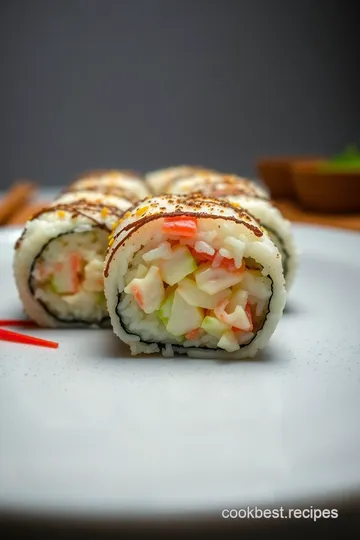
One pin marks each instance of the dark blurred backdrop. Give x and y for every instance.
(148, 83)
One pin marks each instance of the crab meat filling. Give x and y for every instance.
(67, 276)
(197, 287)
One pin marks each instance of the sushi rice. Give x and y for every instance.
(112, 182)
(158, 181)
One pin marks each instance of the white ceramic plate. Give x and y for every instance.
(89, 430)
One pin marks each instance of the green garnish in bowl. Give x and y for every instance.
(347, 161)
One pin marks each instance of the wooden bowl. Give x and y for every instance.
(324, 189)
(276, 173)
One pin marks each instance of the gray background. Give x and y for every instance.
(149, 83)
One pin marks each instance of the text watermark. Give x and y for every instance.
(254, 512)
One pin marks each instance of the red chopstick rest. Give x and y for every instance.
(9, 335)
(18, 322)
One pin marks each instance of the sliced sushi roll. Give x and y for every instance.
(193, 275)
(217, 185)
(126, 184)
(253, 198)
(159, 181)
(58, 261)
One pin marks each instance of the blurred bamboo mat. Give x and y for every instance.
(24, 213)
(19, 203)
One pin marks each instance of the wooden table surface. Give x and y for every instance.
(292, 211)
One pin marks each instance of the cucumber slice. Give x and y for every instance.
(228, 342)
(193, 296)
(164, 310)
(214, 327)
(213, 280)
(183, 317)
(179, 266)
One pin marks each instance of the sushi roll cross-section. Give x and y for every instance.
(59, 258)
(194, 275)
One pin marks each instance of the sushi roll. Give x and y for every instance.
(217, 184)
(126, 184)
(193, 275)
(158, 181)
(254, 199)
(58, 260)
